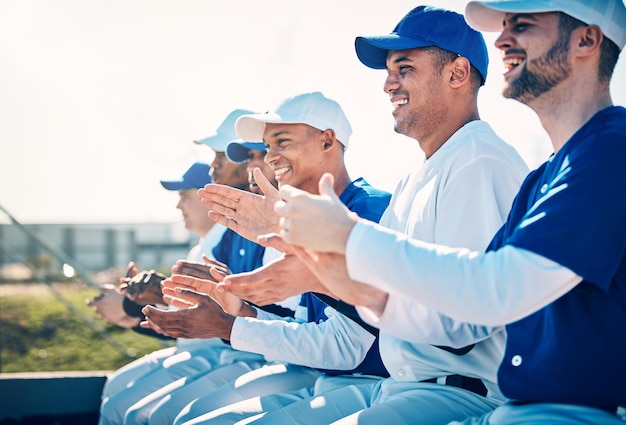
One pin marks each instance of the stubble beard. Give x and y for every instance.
(554, 68)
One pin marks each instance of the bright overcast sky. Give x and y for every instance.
(99, 100)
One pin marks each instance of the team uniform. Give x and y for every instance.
(564, 309)
(461, 195)
(191, 356)
(321, 342)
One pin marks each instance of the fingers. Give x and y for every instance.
(264, 184)
(223, 220)
(213, 263)
(195, 270)
(183, 281)
(170, 296)
(219, 198)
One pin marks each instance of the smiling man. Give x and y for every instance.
(305, 137)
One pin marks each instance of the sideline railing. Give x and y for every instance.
(71, 267)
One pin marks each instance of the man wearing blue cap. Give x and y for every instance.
(253, 155)
(441, 369)
(139, 287)
(192, 356)
(163, 405)
(554, 274)
(144, 288)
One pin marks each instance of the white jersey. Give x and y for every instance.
(459, 197)
(206, 243)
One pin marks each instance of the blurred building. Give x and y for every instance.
(95, 247)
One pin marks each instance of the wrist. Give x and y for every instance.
(342, 241)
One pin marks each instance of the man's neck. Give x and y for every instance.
(566, 108)
(451, 125)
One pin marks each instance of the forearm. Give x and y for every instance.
(490, 289)
(413, 322)
(337, 343)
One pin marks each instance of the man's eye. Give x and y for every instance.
(521, 27)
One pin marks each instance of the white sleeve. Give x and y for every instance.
(337, 343)
(493, 288)
(413, 322)
(271, 254)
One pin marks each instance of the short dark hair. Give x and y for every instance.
(443, 57)
(609, 52)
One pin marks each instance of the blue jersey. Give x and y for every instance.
(572, 210)
(238, 253)
(369, 203)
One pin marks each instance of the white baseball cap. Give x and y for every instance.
(313, 109)
(225, 133)
(608, 15)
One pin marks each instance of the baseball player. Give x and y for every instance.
(554, 273)
(305, 137)
(162, 405)
(191, 356)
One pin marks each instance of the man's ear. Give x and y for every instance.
(460, 71)
(587, 40)
(329, 138)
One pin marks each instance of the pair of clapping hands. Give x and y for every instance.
(203, 308)
(140, 287)
(310, 230)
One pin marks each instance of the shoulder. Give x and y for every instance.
(365, 200)
(477, 144)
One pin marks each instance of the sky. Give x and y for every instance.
(99, 100)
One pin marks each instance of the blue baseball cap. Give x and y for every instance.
(225, 132)
(194, 178)
(426, 26)
(237, 151)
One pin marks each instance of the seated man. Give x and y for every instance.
(305, 137)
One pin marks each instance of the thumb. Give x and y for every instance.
(131, 269)
(273, 240)
(264, 184)
(326, 185)
(217, 274)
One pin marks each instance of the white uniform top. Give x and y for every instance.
(206, 243)
(459, 197)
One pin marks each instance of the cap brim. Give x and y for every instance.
(251, 127)
(489, 15)
(238, 151)
(174, 185)
(372, 51)
(216, 142)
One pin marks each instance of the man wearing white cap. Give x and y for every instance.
(305, 137)
(555, 273)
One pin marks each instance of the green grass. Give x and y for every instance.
(40, 333)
